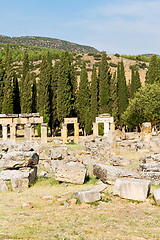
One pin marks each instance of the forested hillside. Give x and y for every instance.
(52, 43)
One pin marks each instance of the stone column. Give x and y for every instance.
(95, 129)
(64, 132)
(43, 133)
(13, 132)
(4, 131)
(106, 128)
(112, 126)
(76, 132)
(28, 132)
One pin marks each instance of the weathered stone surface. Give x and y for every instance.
(18, 159)
(88, 196)
(71, 172)
(156, 195)
(56, 154)
(28, 146)
(120, 161)
(150, 158)
(99, 188)
(154, 177)
(129, 188)
(5, 145)
(109, 173)
(3, 186)
(26, 173)
(19, 184)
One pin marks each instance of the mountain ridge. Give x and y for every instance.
(48, 42)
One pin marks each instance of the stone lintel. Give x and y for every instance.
(70, 120)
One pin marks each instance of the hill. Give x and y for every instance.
(52, 43)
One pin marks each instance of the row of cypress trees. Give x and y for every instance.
(56, 94)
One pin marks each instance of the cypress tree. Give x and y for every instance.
(25, 66)
(16, 96)
(153, 73)
(54, 95)
(104, 85)
(138, 81)
(83, 95)
(65, 99)
(7, 104)
(94, 94)
(88, 122)
(34, 94)
(43, 90)
(26, 99)
(114, 98)
(122, 90)
(2, 74)
(135, 82)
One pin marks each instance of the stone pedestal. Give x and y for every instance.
(13, 132)
(28, 132)
(43, 133)
(64, 132)
(4, 131)
(106, 128)
(95, 129)
(76, 132)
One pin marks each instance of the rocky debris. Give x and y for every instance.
(156, 195)
(28, 146)
(150, 168)
(129, 188)
(120, 161)
(47, 197)
(109, 173)
(3, 186)
(71, 172)
(18, 159)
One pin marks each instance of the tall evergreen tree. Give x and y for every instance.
(2, 74)
(94, 94)
(153, 73)
(16, 96)
(114, 98)
(122, 90)
(26, 98)
(104, 85)
(83, 95)
(65, 98)
(135, 82)
(7, 104)
(25, 66)
(43, 90)
(54, 86)
(34, 94)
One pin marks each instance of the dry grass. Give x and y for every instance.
(25, 216)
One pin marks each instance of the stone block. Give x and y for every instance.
(19, 184)
(56, 154)
(156, 195)
(18, 159)
(130, 188)
(3, 186)
(109, 173)
(88, 196)
(71, 172)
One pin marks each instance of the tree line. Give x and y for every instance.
(57, 94)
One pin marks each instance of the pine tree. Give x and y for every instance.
(65, 98)
(83, 95)
(16, 96)
(153, 73)
(26, 98)
(94, 95)
(104, 85)
(122, 90)
(114, 98)
(7, 104)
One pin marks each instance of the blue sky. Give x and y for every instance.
(116, 26)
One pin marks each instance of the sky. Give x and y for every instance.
(129, 27)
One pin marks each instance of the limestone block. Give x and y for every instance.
(19, 159)
(109, 173)
(3, 186)
(28, 146)
(19, 184)
(56, 154)
(130, 188)
(156, 195)
(88, 196)
(71, 172)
